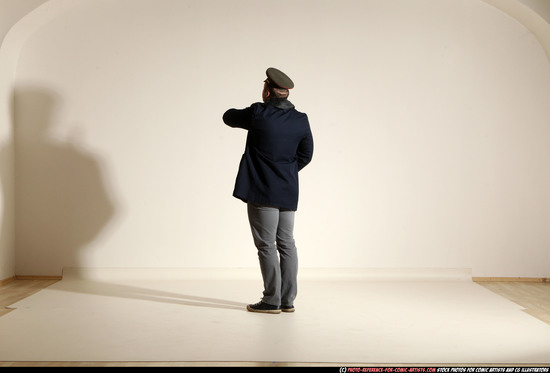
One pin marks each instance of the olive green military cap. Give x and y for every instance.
(278, 79)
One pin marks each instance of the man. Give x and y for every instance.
(278, 145)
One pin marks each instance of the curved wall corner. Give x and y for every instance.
(542, 7)
(531, 14)
(13, 11)
(20, 20)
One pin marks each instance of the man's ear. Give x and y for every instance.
(265, 94)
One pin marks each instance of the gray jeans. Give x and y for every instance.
(272, 230)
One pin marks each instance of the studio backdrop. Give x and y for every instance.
(430, 118)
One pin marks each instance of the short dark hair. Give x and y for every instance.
(277, 92)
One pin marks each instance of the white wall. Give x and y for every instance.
(430, 120)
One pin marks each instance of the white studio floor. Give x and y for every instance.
(353, 317)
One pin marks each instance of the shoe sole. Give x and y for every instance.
(287, 309)
(262, 311)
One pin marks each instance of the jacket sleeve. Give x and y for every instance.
(238, 118)
(305, 150)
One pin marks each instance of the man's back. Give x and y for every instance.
(279, 144)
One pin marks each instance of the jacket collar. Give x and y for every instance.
(281, 103)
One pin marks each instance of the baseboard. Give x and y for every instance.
(7, 280)
(36, 278)
(510, 279)
(474, 279)
(347, 274)
(23, 277)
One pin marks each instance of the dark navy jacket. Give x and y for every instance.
(278, 145)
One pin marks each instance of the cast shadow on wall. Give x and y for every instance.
(63, 205)
(61, 202)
